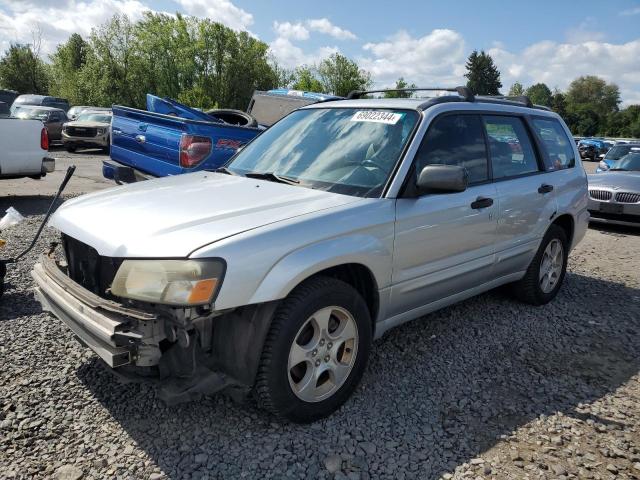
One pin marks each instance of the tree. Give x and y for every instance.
(66, 65)
(590, 103)
(482, 74)
(539, 94)
(305, 79)
(340, 75)
(559, 103)
(400, 83)
(22, 70)
(516, 90)
(591, 90)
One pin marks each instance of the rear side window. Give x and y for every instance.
(557, 145)
(455, 140)
(510, 146)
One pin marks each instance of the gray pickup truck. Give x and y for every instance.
(275, 273)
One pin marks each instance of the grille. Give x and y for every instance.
(627, 197)
(87, 268)
(81, 131)
(600, 194)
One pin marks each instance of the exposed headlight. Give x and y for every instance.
(101, 131)
(170, 282)
(603, 165)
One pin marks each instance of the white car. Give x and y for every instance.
(24, 149)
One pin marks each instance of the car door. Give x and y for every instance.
(526, 192)
(444, 242)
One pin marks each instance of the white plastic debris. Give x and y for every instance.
(11, 219)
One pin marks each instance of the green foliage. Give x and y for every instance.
(590, 104)
(516, 90)
(482, 74)
(305, 79)
(340, 75)
(400, 83)
(22, 70)
(539, 94)
(66, 65)
(196, 61)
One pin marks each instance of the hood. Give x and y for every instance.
(173, 216)
(623, 181)
(88, 124)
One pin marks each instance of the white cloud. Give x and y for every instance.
(557, 64)
(57, 20)
(323, 25)
(436, 59)
(222, 11)
(295, 31)
(289, 55)
(631, 11)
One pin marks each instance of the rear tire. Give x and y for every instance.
(315, 352)
(547, 270)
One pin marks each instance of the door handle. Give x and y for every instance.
(482, 202)
(544, 188)
(141, 138)
(116, 131)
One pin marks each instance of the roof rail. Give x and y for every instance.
(464, 92)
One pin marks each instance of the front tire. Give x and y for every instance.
(315, 352)
(547, 270)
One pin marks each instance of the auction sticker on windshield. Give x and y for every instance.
(376, 117)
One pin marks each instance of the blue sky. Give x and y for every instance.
(426, 42)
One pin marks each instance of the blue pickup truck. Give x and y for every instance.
(170, 138)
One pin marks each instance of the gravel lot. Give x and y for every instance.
(487, 388)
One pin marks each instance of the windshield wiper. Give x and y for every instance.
(272, 177)
(618, 170)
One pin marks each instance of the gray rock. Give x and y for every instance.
(68, 472)
(333, 463)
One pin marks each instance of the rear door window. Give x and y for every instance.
(558, 148)
(455, 140)
(511, 149)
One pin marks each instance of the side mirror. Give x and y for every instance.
(442, 179)
(601, 155)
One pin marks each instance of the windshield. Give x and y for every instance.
(94, 117)
(33, 113)
(617, 152)
(342, 150)
(630, 162)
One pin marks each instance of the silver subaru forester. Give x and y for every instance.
(275, 273)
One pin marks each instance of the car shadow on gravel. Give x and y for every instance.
(609, 229)
(28, 205)
(438, 392)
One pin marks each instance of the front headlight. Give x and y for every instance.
(170, 282)
(101, 131)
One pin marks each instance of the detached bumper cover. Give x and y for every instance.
(100, 324)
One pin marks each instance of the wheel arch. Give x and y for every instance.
(567, 223)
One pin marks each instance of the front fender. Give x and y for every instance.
(372, 252)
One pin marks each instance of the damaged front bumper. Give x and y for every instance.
(117, 334)
(184, 354)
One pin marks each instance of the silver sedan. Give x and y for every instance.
(614, 195)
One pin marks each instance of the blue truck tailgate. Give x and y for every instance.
(151, 143)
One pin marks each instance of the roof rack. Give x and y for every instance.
(464, 92)
(465, 95)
